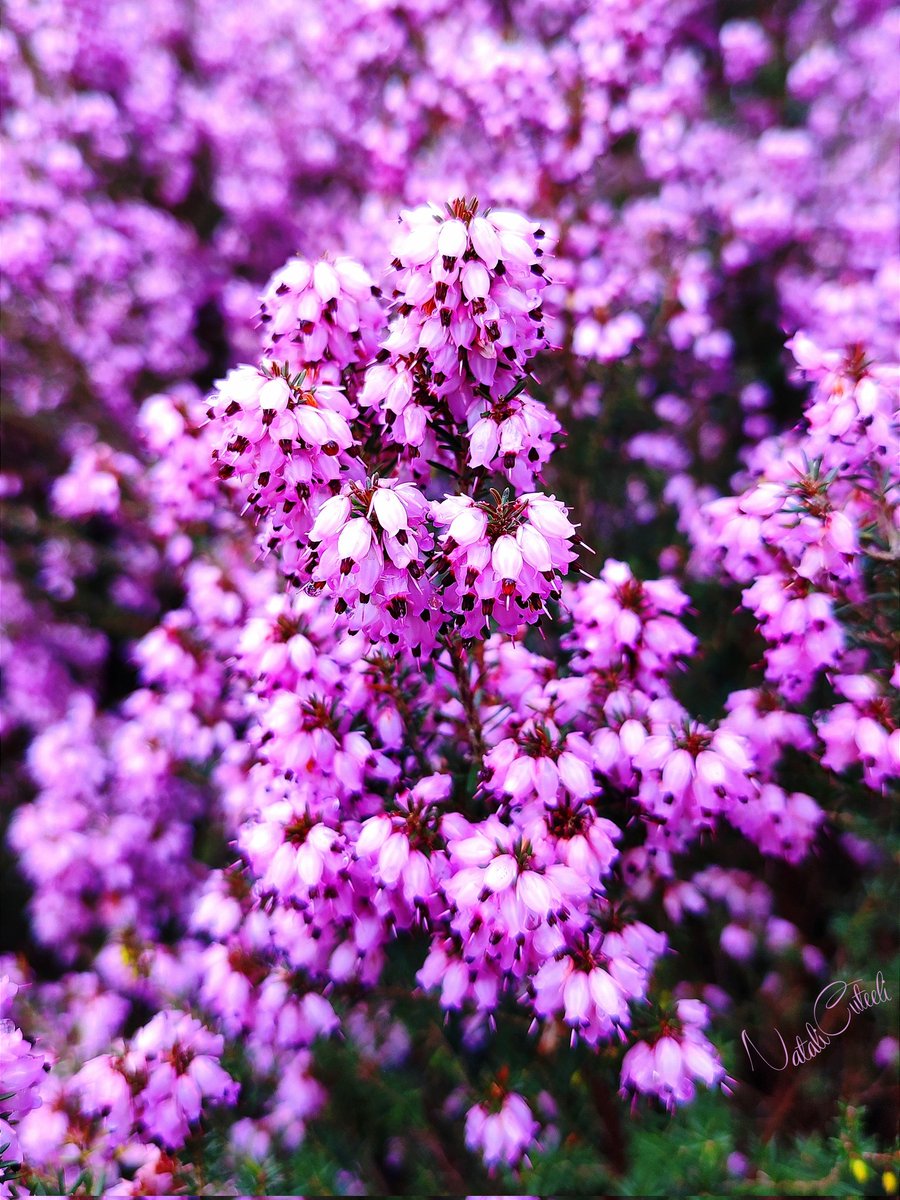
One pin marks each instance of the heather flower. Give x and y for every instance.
(760, 717)
(93, 483)
(513, 434)
(501, 883)
(178, 1057)
(541, 763)
(506, 557)
(104, 1090)
(745, 48)
(405, 843)
(473, 282)
(282, 442)
(861, 730)
(292, 852)
(670, 1066)
(694, 773)
(588, 989)
(298, 1097)
(501, 1131)
(21, 1070)
(467, 320)
(801, 626)
(627, 719)
(369, 553)
(447, 967)
(321, 317)
(623, 622)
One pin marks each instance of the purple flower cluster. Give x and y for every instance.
(158, 1083)
(467, 299)
(20, 1069)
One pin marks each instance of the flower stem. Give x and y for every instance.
(460, 665)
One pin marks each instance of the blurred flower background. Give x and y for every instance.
(352, 840)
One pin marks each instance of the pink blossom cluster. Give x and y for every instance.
(468, 317)
(503, 1135)
(822, 505)
(282, 443)
(321, 317)
(21, 1073)
(464, 314)
(159, 1082)
(680, 1057)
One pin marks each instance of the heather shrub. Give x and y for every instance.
(449, 633)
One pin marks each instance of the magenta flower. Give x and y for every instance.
(670, 1066)
(21, 1070)
(501, 1132)
(506, 557)
(178, 1058)
(321, 317)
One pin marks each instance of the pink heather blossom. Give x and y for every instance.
(694, 771)
(369, 553)
(589, 991)
(862, 730)
(506, 557)
(321, 317)
(468, 317)
(623, 621)
(501, 1134)
(21, 1069)
(745, 48)
(501, 876)
(178, 1057)
(544, 766)
(670, 1066)
(281, 442)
